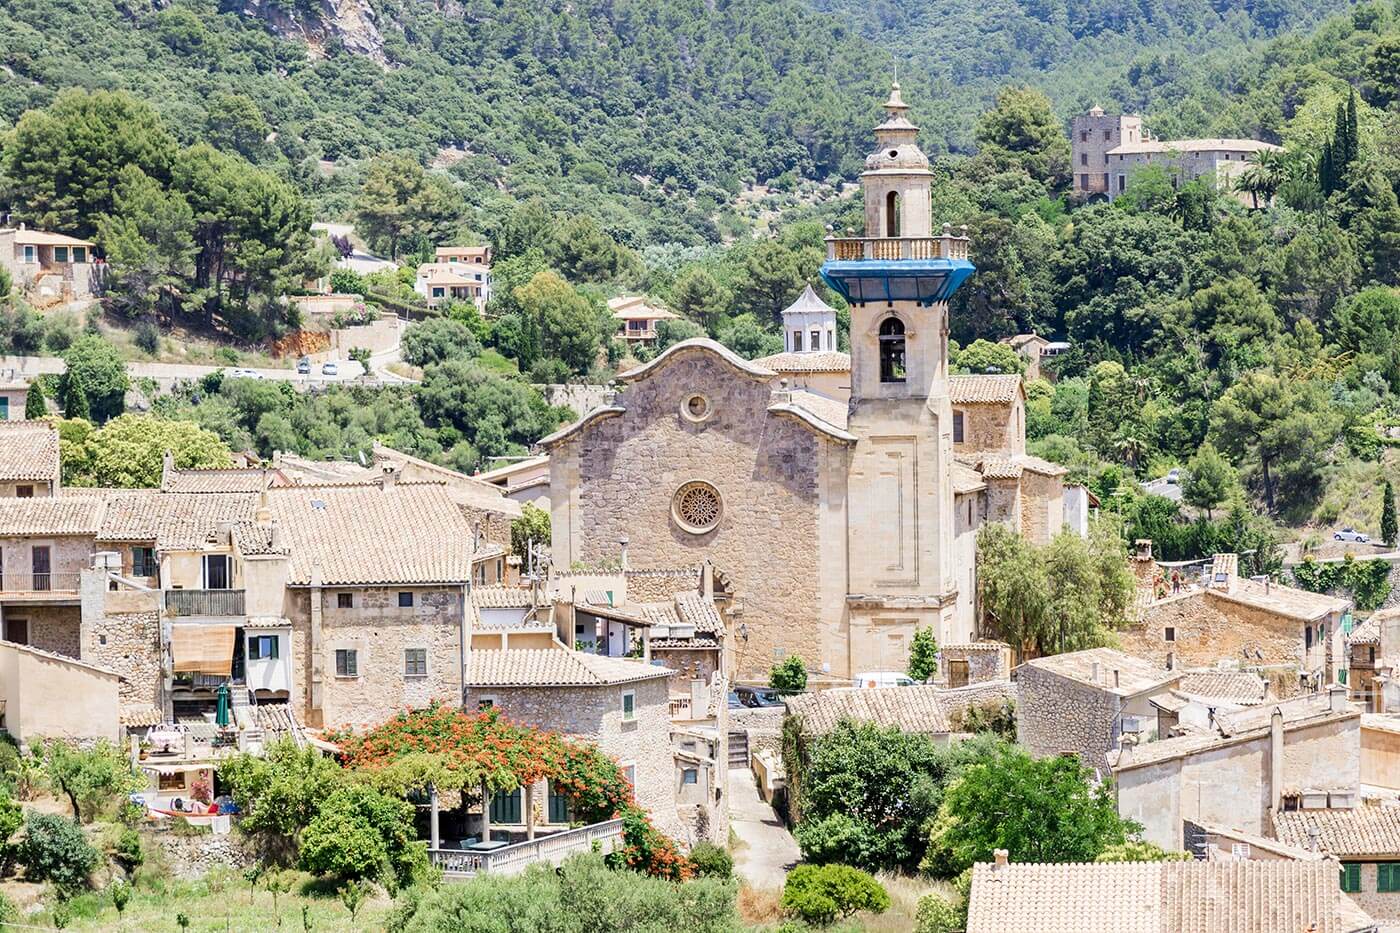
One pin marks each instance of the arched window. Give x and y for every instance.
(891, 350)
(892, 214)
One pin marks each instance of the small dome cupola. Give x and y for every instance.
(809, 324)
(896, 177)
(896, 139)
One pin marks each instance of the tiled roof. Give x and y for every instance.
(921, 708)
(253, 540)
(1044, 467)
(1191, 145)
(314, 472)
(1000, 468)
(637, 308)
(1239, 686)
(554, 667)
(1231, 728)
(966, 479)
(817, 361)
(48, 516)
(172, 520)
(1278, 599)
(405, 533)
(1369, 632)
(700, 611)
(830, 410)
(139, 716)
(467, 491)
(984, 390)
(28, 451)
(1372, 831)
(1273, 896)
(502, 597)
(228, 480)
(1133, 675)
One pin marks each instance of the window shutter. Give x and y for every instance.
(1383, 877)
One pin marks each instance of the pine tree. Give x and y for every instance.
(36, 403)
(1389, 530)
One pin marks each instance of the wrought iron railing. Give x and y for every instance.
(946, 246)
(204, 602)
(64, 582)
(514, 858)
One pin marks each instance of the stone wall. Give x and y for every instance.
(623, 472)
(989, 429)
(1042, 507)
(128, 643)
(658, 586)
(1382, 907)
(51, 628)
(68, 556)
(379, 631)
(1205, 634)
(688, 664)
(1055, 715)
(983, 664)
(495, 526)
(594, 714)
(195, 856)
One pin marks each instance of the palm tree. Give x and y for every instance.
(1268, 169)
(1131, 449)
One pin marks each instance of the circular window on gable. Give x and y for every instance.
(697, 507)
(696, 408)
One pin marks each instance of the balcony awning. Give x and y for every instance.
(203, 649)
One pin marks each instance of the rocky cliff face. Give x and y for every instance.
(353, 23)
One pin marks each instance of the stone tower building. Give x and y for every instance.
(1091, 137)
(899, 484)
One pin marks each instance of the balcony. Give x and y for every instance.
(187, 603)
(40, 585)
(847, 249)
(511, 859)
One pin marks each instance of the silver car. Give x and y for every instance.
(1348, 534)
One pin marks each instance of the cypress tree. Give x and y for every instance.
(35, 404)
(1324, 170)
(1390, 532)
(1353, 149)
(75, 400)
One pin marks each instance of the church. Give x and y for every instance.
(836, 496)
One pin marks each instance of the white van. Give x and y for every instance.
(884, 679)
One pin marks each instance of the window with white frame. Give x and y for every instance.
(347, 662)
(690, 776)
(629, 705)
(218, 572)
(263, 647)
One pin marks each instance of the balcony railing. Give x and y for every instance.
(510, 859)
(64, 582)
(204, 602)
(946, 246)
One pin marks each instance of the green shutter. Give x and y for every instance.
(505, 808)
(1383, 877)
(1351, 878)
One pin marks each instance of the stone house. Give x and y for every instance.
(488, 510)
(1084, 702)
(619, 704)
(1035, 348)
(14, 396)
(1107, 149)
(48, 695)
(1366, 840)
(28, 458)
(1293, 637)
(1371, 649)
(1380, 752)
(50, 267)
(45, 545)
(1249, 896)
(1200, 696)
(1253, 764)
(833, 511)
(637, 318)
(525, 480)
(973, 663)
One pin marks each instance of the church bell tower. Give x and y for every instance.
(898, 279)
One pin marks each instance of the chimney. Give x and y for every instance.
(1094, 671)
(622, 546)
(263, 516)
(167, 465)
(1337, 698)
(707, 579)
(1313, 835)
(1000, 857)
(1125, 749)
(389, 475)
(1276, 760)
(1115, 678)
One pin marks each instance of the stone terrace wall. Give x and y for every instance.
(128, 643)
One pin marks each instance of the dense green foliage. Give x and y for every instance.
(1368, 581)
(820, 894)
(89, 777)
(54, 849)
(923, 655)
(1039, 810)
(868, 795)
(711, 861)
(582, 895)
(359, 832)
(1137, 850)
(789, 675)
(128, 452)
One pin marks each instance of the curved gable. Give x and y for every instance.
(698, 345)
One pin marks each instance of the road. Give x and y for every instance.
(767, 850)
(1160, 487)
(167, 374)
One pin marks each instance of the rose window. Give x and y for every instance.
(697, 507)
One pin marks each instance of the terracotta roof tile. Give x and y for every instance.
(1361, 831)
(401, 533)
(1240, 686)
(28, 451)
(816, 361)
(1118, 673)
(966, 479)
(1274, 896)
(224, 480)
(49, 516)
(830, 410)
(253, 540)
(554, 667)
(502, 597)
(984, 390)
(173, 521)
(921, 708)
(1367, 633)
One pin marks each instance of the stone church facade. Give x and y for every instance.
(837, 496)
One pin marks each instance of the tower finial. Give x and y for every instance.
(895, 106)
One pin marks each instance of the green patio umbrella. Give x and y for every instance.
(221, 710)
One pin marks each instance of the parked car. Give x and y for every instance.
(1173, 476)
(757, 697)
(242, 373)
(1348, 534)
(304, 366)
(884, 679)
(734, 701)
(329, 368)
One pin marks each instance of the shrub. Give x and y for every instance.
(147, 337)
(9, 913)
(127, 850)
(711, 861)
(89, 777)
(936, 915)
(363, 833)
(55, 849)
(820, 894)
(11, 819)
(789, 676)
